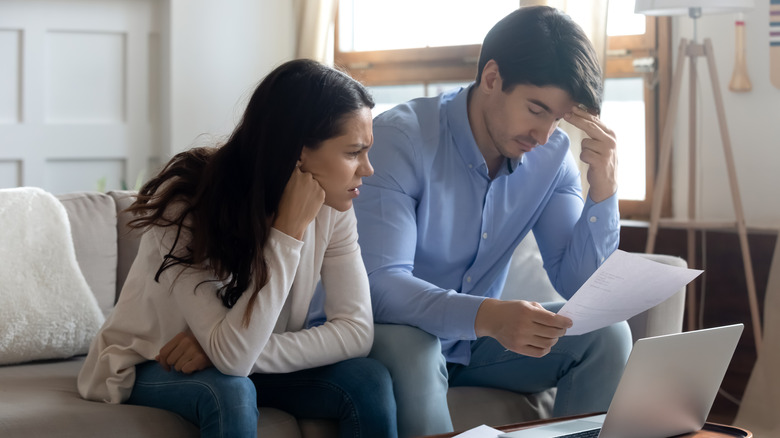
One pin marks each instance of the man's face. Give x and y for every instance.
(524, 117)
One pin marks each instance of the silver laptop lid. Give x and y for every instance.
(670, 383)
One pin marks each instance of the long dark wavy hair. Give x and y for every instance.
(231, 193)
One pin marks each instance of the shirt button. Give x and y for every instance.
(602, 260)
(593, 219)
(468, 279)
(484, 235)
(471, 166)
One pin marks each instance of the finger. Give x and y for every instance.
(548, 332)
(594, 152)
(591, 116)
(543, 342)
(591, 153)
(531, 351)
(160, 360)
(588, 123)
(168, 347)
(187, 357)
(546, 318)
(189, 367)
(197, 364)
(176, 355)
(181, 363)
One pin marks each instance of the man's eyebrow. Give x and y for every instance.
(541, 104)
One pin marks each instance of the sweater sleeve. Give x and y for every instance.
(232, 347)
(348, 331)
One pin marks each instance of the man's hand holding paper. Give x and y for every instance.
(623, 286)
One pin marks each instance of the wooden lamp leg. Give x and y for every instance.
(735, 196)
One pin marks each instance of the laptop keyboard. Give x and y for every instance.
(593, 433)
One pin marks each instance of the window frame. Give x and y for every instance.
(459, 64)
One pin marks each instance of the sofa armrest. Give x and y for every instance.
(128, 240)
(665, 318)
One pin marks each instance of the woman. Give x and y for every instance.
(236, 239)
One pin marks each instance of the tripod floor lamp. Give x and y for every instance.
(692, 50)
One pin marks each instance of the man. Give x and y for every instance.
(459, 180)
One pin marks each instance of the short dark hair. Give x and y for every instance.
(542, 46)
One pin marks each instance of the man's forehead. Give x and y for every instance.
(551, 98)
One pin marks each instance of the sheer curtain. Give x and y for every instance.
(316, 21)
(591, 15)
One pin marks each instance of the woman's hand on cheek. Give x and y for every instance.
(301, 201)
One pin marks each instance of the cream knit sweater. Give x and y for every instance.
(148, 314)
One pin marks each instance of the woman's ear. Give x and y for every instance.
(302, 158)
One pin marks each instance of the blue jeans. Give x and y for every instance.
(220, 405)
(356, 392)
(585, 369)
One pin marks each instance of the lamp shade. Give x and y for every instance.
(681, 7)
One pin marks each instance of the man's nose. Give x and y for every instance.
(542, 131)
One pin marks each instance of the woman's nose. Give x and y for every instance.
(365, 168)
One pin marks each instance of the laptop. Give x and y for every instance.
(667, 388)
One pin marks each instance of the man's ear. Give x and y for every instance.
(491, 77)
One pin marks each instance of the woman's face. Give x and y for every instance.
(340, 163)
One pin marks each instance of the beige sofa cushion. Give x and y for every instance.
(92, 217)
(41, 400)
(127, 239)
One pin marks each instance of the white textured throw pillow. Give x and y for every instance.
(47, 310)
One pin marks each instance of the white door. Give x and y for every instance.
(79, 93)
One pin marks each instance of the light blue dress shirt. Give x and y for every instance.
(437, 234)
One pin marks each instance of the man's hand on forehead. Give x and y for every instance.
(591, 111)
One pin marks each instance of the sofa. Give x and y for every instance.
(39, 398)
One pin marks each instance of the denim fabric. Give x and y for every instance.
(586, 370)
(221, 406)
(358, 393)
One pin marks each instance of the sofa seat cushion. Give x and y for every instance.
(40, 399)
(472, 406)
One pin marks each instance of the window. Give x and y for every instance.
(443, 51)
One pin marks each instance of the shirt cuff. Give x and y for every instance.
(461, 315)
(283, 239)
(603, 220)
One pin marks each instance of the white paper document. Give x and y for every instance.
(479, 432)
(623, 286)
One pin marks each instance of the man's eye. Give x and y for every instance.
(534, 112)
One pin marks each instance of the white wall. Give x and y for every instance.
(109, 90)
(753, 123)
(220, 50)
